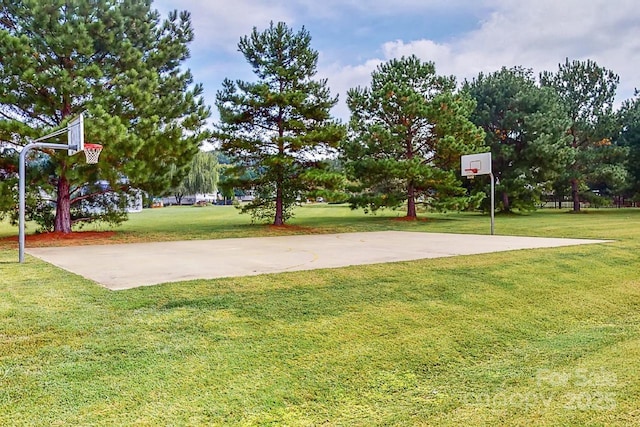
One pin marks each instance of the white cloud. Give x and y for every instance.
(342, 78)
(332, 8)
(536, 34)
(540, 35)
(220, 23)
(427, 50)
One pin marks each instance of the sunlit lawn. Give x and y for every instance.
(536, 337)
(213, 222)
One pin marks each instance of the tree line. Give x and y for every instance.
(555, 134)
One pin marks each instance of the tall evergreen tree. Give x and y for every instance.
(587, 92)
(629, 138)
(8, 179)
(525, 126)
(407, 132)
(277, 128)
(119, 63)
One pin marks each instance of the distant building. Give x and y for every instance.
(135, 200)
(191, 199)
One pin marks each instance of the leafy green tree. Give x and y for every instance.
(406, 135)
(276, 129)
(225, 188)
(202, 178)
(8, 180)
(587, 92)
(525, 126)
(629, 116)
(120, 64)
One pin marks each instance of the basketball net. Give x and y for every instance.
(92, 153)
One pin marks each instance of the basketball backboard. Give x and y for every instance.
(475, 164)
(75, 135)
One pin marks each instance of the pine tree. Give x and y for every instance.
(277, 129)
(587, 92)
(119, 63)
(407, 132)
(629, 137)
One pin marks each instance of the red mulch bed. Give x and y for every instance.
(76, 238)
(287, 227)
(294, 229)
(409, 218)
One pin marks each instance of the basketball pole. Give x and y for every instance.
(22, 184)
(493, 202)
(76, 143)
(480, 164)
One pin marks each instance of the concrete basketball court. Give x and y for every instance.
(126, 266)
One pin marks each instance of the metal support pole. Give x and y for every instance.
(22, 185)
(493, 202)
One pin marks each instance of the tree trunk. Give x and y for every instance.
(411, 202)
(62, 222)
(506, 206)
(279, 218)
(575, 195)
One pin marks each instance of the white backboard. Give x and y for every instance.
(75, 135)
(475, 164)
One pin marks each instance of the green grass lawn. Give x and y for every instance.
(213, 222)
(535, 337)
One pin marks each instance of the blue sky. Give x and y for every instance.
(462, 37)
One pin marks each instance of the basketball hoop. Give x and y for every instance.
(92, 153)
(479, 164)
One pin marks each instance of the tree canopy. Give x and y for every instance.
(526, 129)
(122, 65)
(587, 92)
(406, 135)
(629, 117)
(277, 129)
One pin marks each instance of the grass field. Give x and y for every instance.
(536, 337)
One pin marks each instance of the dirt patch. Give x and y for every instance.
(409, 219)
(77, 238)
(287, 227)
(293, 229)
